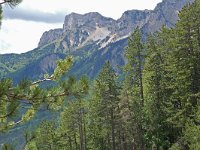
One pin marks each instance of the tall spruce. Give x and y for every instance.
(135, 53)
(157, 91)
(185, 68)
(106, 98)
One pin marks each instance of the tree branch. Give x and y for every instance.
(27, 101)
(43, 80)
(5, 1)
(37, 82)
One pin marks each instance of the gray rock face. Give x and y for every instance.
(87, 21)
(130, 20)
(50, 36)
(165, 13)
(79, 30)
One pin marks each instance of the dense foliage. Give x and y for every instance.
(155, 106)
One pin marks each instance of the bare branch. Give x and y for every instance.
(43, 80)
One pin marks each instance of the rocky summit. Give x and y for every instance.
(79, 30)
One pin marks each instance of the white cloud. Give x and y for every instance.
(17, 36)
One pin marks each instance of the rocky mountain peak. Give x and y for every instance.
(91, 19)
(93, 15)
(72, 20)
(79, 29)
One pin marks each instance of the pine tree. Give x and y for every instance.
(135, 54)
(157, 90)
(105, 110)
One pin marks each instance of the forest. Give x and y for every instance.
(153, 105)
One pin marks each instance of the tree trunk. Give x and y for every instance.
(76, 144)
(113, 129)
(81, 133)
(85, 135)
(70, 143)
(141, 81)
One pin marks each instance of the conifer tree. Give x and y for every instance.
(135, 54)
(105, 114)
(157, 91)
(185, 68)
(73, 124)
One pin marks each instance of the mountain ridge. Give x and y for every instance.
(90, 35)
(165, 13)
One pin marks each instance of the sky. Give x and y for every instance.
(23, 25)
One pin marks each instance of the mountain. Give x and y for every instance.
(91, 38)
